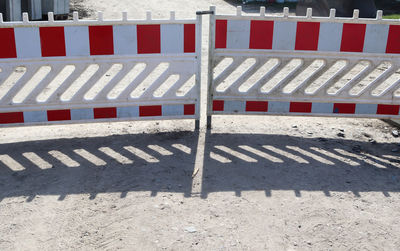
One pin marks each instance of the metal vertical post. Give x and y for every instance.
(211, 43)
(199, 22)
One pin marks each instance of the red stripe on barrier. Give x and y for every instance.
(58, 115)
(52, 40)
(189, 38)
(261, 34)
(189, 109)
(346, 108)
(393, 42)
(353, 37)
(218, 105)
(256, 106)
(148, 38)
(151, 110)
(11, 117)
(7, 43)
(101, 40)
(221, 28)
(388, 109)
(105, 113)
(301, 107)
(307, 36)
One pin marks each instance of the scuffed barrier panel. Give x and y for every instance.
(313, 66)
(69, 71)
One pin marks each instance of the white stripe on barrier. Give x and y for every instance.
(376, 38)
(27, 40)
(35, 116)
(125, 39)
(284, 35)
(82, 114)
(330, 36)
(322, 108)
(171, 38)
(128, 112)
(172, 110)
(235, 31)
(235, 106)
(77, 41)
(279, 107)
(366, 108)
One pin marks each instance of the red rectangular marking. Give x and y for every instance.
(58, 115)
(105, 113)
(189, 109)
(256, 106)
(150, 110)
(11, 117)
(52, 40)
(221, 29)
(353, 37)
(7, 43)
(393, 42)
(261, 34)
(307, 36)
(388, 109)
(149, 38)
(101, 40)
(218, 105)
(346, 108)
(301, 107)
(189, 38)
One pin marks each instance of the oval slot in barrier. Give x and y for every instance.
(80, 82)
(388, 83)
(302, 78)
(150, 80)
(31, 84)
(222, 66)
(264, 70)
(186, 87)
(14, 77)
(126, 81)
(236, 74)
(330, 73)
(368, 80)
(287, 69)
(56, 83)
(356, 71)
(164, 87)
(103, 81)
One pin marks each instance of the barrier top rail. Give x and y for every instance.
(100, 19)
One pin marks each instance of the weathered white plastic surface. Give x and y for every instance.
(31, 82)
(370, 76)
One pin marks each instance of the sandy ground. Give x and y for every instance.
(263, 183)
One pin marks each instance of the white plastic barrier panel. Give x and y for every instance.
(312, 66)
(93, 70)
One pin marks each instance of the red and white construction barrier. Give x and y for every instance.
(109, 70)
(366, 84)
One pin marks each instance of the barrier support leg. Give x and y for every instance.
(197, 125)
(209, 122)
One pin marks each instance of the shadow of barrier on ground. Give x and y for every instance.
(164, 162)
